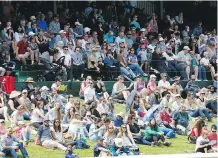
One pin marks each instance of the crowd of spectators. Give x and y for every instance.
(106, 43)
(112, 42)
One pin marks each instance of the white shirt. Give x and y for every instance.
(204, 61)
(169, 58)
(199, 141)
(89, 94)
(162, 83)
(119, 40)
(59, 135)
(67, 107)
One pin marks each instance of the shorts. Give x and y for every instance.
(118, 96)
(26, 55)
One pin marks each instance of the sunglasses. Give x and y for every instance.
(65, 49)
(57, 122)
(203, 93)
(88, 115)
(111, 128)
(91, 83)
(132, 50)
(165, 107)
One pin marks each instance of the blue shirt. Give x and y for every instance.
(51, 43)
(117, 122)
(135, 23)
(197, 31)
(109, 61)
(110, 39)
(42, 25)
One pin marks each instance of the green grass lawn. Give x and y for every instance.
(179, 145)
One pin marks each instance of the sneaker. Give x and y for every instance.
(205, 80)
(152, 144)
(167, 144)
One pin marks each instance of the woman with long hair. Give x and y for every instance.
(197, 130)
(57, 133)
(38, 115)
(153, 133)
(54, 113)
(68, 116)
(109, 136)
(126, 135)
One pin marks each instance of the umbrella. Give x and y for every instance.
(151, 111)
(130, 100)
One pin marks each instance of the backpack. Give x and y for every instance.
(81, 144)
(192, 139)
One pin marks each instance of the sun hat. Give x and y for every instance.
(21, 123)
(33, 18)
(62, 31)
(118, 142)
(31, 33)
(24, 91)
(186, 48)
(77, 23)
(44, 88)
(29, 80)
(1, 120)
(161, 39)
(14, 94)
(86, 29)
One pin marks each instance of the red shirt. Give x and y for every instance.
(213, 136)
(193, 133)
(165, 116)
(22, 47)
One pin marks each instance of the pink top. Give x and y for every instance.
(151, 87)
(2, 131)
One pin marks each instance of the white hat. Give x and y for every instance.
(161, 39)
(77, 23)
(21, 123)
(118, 142)
(186, 48)
(31, 33)
(24, 91)
(33, 18)
(121, 114)
(1, 120)
(86, 29)
(14, 94)
(142, 30)
(44, 88)
(153, 76)
(62, 31)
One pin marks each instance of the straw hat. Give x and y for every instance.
(33, 18)
(14, 94)
(118, 142)
(29, 80)
(21, 123)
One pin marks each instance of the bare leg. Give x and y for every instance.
(187, 70)
(196, 72)
(212, 70)
(51, 59)
(125, 94)
(32, 57)
(106, 96)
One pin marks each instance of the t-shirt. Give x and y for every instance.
(200, 141)
(22, 47)
(204, 61)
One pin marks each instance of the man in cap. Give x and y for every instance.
(118, 119)
(54, 26)
(100, 150)
(191, 86)
(78, 30)
(41, 23)
(7, 142)
(22, 50)
(61, 37)
(45, 139)
(184, 61)
(129, 40)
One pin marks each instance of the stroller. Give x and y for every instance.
(52, 70)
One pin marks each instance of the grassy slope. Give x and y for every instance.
(179, 144)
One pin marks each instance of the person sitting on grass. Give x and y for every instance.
(17, 115)
(109, 136)
(202, 144)
(100, 150)
(44, 137)
(154, 134)
(23, 131)
(69, 153)
(2, 127)
(118, 149)
(213, 135)
(197, 130)
(12, 144)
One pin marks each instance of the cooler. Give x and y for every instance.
(8, 83)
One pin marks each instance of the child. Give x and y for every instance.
(23, 131)
(69, 153)
(143, 55)
(34, 50)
